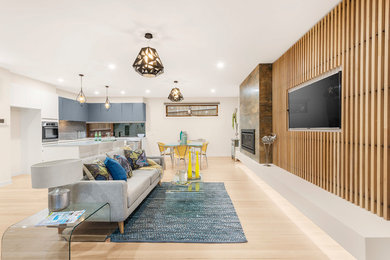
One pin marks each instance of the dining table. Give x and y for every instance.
(193, 146)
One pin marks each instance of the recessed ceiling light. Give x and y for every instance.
(111, 66)
(60, 80)
(220, 65)
(212, 90)
(96, 92)
(147, 91)
(123, 92)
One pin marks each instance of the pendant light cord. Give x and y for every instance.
(81, 81)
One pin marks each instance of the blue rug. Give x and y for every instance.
(183, 217)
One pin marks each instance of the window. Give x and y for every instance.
(191, 109)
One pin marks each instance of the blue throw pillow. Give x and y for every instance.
(116, 170)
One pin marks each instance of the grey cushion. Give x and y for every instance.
(136, 185)
(151, 173)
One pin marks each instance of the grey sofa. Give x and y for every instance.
(123, 197)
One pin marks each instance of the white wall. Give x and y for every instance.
(21, 139)
(26, 139)
(5, 140)
(116, 100)
(16, 142)
(30, 93)
(217, 130)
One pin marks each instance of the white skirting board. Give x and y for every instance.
(365, 235)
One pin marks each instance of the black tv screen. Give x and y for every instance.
(316, 105)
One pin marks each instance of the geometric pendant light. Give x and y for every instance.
(81, 97)
(148, 63)
(175, 95)
(107, 104)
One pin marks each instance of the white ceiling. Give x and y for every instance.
(47, 40)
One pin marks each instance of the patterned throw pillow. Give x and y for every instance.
(96, 171)
(124, 163)
(142, 160)
(136, 158)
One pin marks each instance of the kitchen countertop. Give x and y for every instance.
(88, 141)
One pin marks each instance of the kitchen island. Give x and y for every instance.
(82, 148)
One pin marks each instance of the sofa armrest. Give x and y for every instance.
(113, 192)
(158, 159)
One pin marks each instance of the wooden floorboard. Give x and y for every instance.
(271, 231)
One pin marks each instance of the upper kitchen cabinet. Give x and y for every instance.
(139, 112)
(114, 114)
(71, 110)
(49, 105)
(133, 112)
(94, 114)
(127, 112)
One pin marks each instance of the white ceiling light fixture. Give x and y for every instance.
(147, 91)
(123, 92)
(81, 97)
(60, 80)
(212, 90)
(107, 104)
(220, 65)
(111, 66)
(96, 92)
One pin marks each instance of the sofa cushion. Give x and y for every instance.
(135, 187)
(96, 171)
(116, 170)
(152, 174)
(136, 158)
(124, 163)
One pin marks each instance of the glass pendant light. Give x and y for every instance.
(81, 97)
(175, 95)
(148, 63)
(107, 104)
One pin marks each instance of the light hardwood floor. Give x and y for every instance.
(274, 229)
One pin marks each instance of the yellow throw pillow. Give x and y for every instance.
(151, 162)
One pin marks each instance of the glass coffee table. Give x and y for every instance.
(26, 240)
(181, 183)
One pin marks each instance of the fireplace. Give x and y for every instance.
(248, 140)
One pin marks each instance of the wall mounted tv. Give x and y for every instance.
(316, 105)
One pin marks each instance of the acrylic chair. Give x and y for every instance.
(203, 153)
(181, 152)
(164, 151)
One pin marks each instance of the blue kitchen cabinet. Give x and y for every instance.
(71, 110)
(114, 114)
(133, 112)
(94, 114)
(127, 112)
(139, 112)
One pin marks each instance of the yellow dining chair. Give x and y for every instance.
(203, 153)
(181, 152)
(164, 151)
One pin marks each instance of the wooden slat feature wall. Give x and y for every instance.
(352, 163)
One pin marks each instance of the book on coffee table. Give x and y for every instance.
(61, 218)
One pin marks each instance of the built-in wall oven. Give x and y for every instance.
(49, 131)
